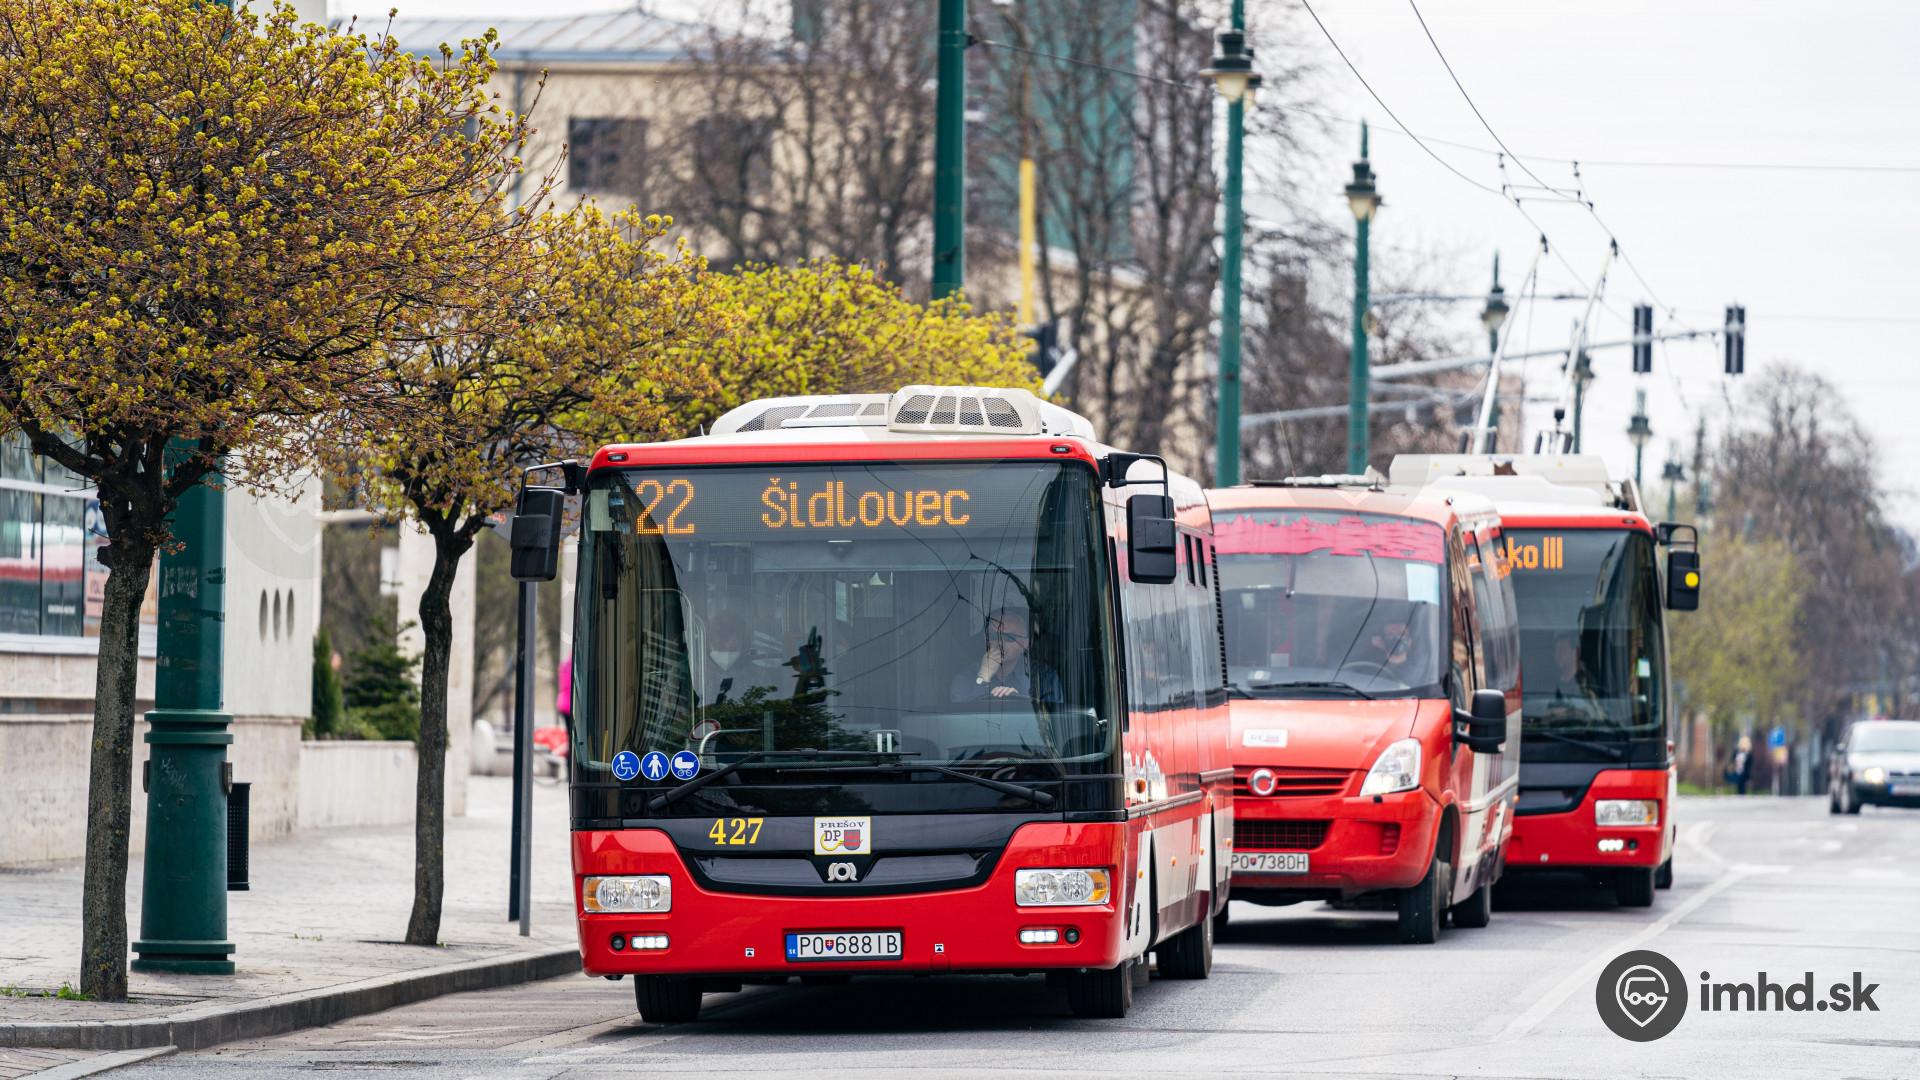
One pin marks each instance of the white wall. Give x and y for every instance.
(356, 783)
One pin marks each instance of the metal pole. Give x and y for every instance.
(521, 699)
(183, 896)
(1357, 399)
(950, 153)
(1489, 409)
(523, 760)
(1227, 437)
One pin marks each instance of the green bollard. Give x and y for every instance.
(183, 898)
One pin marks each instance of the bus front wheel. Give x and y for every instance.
(1102, 994)
(1420, 907)
(1633, 886)
(666, 999)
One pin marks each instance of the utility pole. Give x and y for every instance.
(1582, 375)
(1233, 74)
(1701, 501)
(183, 895)
(1493, 317)
(1639, 431)
(950, 153)
(1365, 200)
(1673, 474)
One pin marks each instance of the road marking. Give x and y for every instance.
(1583, 976)
(1695, 837)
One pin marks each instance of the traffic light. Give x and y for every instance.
(1642, 339)
(1736, 339)
(1046, 344)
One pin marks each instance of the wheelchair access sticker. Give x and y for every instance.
(626, 765)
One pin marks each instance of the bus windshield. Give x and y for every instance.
(942, 614)
(1331, 603)
(1592, 658)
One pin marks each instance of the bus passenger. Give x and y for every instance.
(1006, 667)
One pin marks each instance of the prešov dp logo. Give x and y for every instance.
(1641, 995)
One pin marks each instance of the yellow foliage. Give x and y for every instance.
(825, 327)
(207, 217)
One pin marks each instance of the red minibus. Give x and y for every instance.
(926, 682)
(1374, 671)
(1598, 779)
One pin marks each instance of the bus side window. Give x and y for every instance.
(1464, 680)
(1486, 630)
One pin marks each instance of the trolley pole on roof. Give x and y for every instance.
(950, 153)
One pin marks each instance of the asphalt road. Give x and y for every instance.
(1761, 885)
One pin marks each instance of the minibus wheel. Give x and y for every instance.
(1102, 994)
(1420, 907)
(1633, 886)
(1663, 877)
(666, 999)
(1476, 910)
(1189, 953)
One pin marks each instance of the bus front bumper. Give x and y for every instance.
(1571, 840)
(977, 929)
(1372, 844)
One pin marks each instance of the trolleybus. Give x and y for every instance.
(918, 683)
(1598, 779)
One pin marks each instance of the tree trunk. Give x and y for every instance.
(103, 904)
(429, 800)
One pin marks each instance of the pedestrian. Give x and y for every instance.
(1740, 765)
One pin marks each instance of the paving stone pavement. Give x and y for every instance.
(326, 907)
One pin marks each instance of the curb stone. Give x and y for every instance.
(201, 1026)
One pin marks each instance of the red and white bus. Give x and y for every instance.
(1374, 665)
(1598, 778)
(925, 682)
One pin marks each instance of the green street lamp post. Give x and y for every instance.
(950, 153)
(183, 895)
(1493, 317)
(1639, 430)
(1365, 200)
(1233, 74)
(1673, 474)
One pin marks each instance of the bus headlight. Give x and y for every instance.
(1626, 812)
(1397, 769)
(1047, 888)
(651, 892)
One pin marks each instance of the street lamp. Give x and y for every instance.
(1365, 201)
(1494, 315)
(1233, 75)
(1674, 475)
(1639, 431)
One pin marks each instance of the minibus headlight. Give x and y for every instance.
(1626, 812)
(1047, 888)
(649, 892)
(1397, 769)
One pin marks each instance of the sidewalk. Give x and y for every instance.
(320, 930)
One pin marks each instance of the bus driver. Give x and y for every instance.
(1006, 667)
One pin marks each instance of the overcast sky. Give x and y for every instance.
(1824, 260)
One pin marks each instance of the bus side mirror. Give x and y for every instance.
(1151, 543)
(1683, 580)
(1483, 728)
(535, 539)
(1683, 564)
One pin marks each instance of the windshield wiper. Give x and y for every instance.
(662, 801)
(1033, 795)
(1613, 752)
(1315, 684)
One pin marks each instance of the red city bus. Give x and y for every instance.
(1374, 668)
(1597, 786)
(876, 684)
